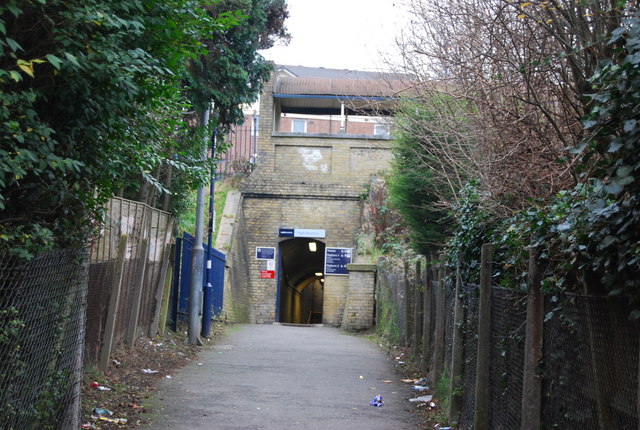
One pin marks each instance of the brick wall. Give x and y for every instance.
(310, 182)
(360, 303)
(237, 286)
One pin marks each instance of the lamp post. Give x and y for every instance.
(208, 288)
(197, 262)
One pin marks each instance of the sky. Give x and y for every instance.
(340, 34)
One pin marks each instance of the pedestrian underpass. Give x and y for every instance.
(301, 281)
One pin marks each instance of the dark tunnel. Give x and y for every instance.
(301, 284)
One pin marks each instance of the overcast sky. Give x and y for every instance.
(341, 34)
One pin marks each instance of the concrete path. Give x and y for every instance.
(275, 377)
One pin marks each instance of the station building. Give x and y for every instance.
(291, 231)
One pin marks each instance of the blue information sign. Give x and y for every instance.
(285, 232)
(265, 253)
(336, 260)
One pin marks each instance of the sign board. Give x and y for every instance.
(271, 264)
(265, 253)
(336, 260)
(267, 274)
(302, 232)
(286, 232)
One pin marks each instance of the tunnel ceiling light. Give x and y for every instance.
(312, 247)
(322, 280)
(318, 273)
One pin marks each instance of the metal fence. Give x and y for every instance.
(589, 358)
(590, 364)
(240, 156)
(126, 287)
(42, 313)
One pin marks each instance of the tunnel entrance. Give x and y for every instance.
(301, 282)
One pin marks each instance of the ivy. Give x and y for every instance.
(91, 96)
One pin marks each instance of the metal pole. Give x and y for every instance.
(254, 156)
(208, 288)
(197, 262)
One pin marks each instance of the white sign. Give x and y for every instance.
(271, 264)
(308, 232)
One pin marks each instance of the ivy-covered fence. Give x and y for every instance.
(504, 357)
(42, 314)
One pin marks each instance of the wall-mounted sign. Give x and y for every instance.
(286, 232)
(336, 260)
(267, 274)
(265, 253)
(271, 264)
(302, 232)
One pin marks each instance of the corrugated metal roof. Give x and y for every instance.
(321, 72)
(319, 90)
(339, 87)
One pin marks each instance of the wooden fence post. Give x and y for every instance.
(482, 407)
(439, 338)
(132, 328)
(114, 299)
(426, 316)
(457, 352)
(406, 338)
(166, 296)
(157, 305)
(531, 380)
(417, 309)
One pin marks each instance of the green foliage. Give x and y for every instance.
(92, 99)
(383, 229)
(51, 400)
(413, 189)
(232, 73)
(387, 324)
(443, 389)
(589, 236)
(11, 328)
(613, 210)
(598, 234)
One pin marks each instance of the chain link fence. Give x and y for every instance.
(590, 374)
(589, 366)
(42, 314)
(508, 315)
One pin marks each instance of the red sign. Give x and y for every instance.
(267, 274)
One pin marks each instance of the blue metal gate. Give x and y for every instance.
(213, 284)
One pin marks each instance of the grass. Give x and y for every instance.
(187, 220)
(219, 200)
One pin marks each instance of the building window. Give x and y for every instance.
(381, 130)
(299, 125)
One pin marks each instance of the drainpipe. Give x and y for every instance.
(208, 288)
(197, 262)
(254, 158)
(342, 119)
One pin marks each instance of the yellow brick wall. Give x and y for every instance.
(311, 182)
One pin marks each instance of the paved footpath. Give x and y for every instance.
(275, 377)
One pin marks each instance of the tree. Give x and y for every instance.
(232, 73)
(521, 68)
(90, 90)
(421, 195)
(228, 74)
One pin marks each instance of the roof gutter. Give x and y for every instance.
(333, 97)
